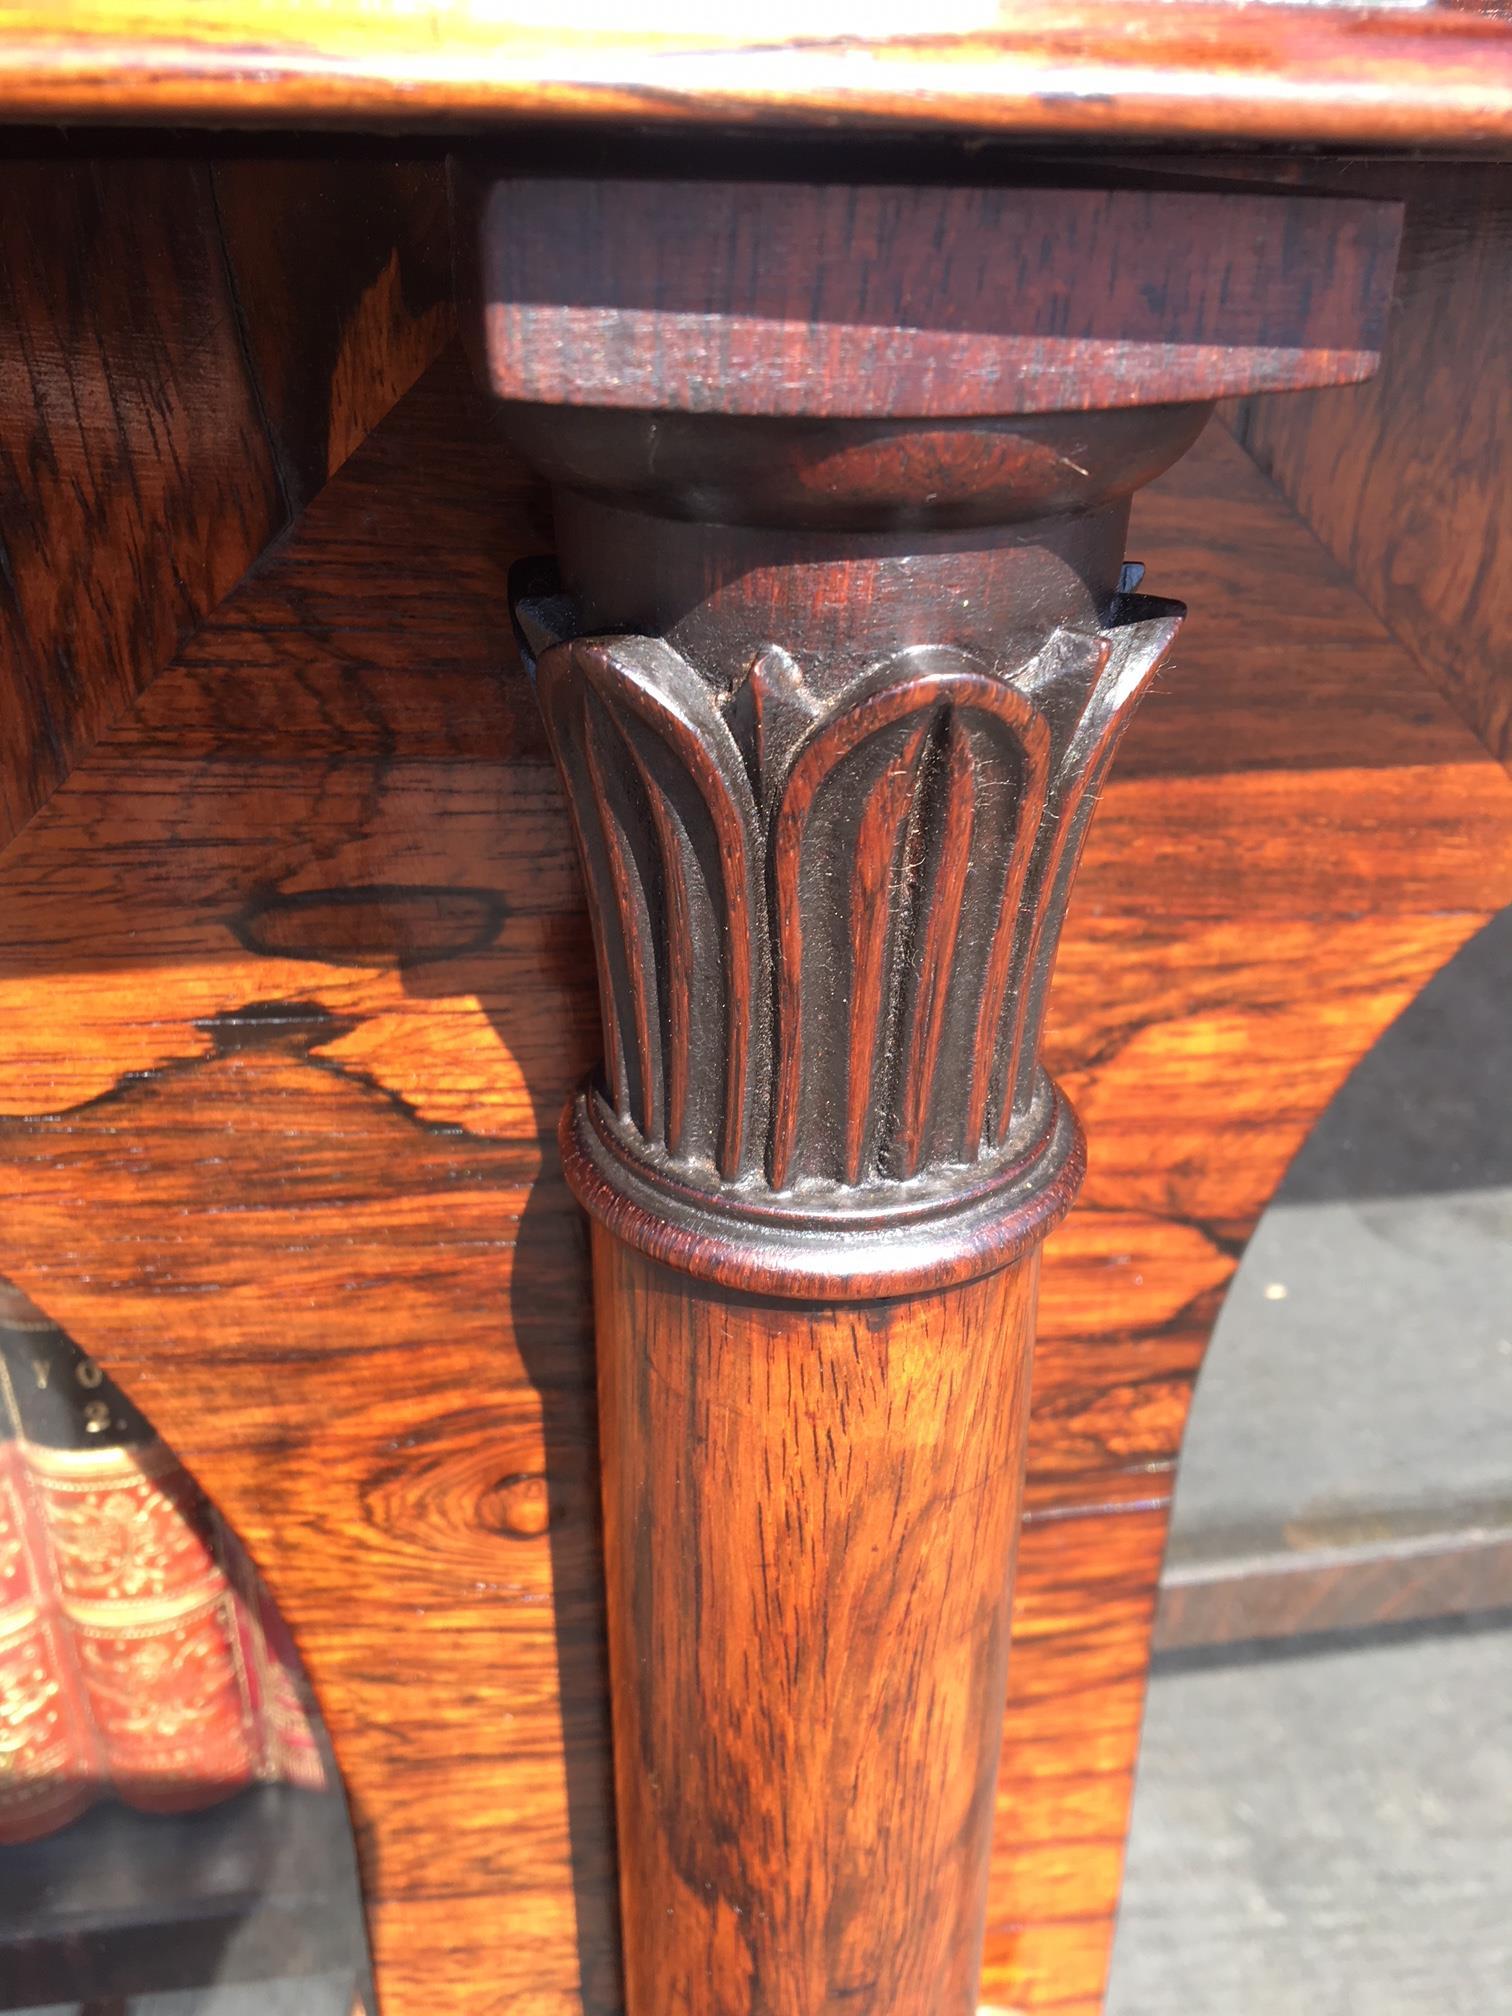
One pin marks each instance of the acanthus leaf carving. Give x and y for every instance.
(825, 932)
(670, 835)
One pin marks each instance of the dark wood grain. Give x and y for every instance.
(1404, 480)
(1398, 76)
(295, 977)
(880, 834)
(810, 1519)
(935, 559)
(1256, 903)
(921, 302)
(139, 479)
(366, 815)
(158, 314)
(341, 265)
(812, 1448)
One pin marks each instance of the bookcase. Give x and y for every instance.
(297, 974)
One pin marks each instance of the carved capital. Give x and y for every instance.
(824, 929)
(841, 481)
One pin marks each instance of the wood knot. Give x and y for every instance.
(517, 1507)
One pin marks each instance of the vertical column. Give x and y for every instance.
(837, 648)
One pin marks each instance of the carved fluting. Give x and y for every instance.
(670, 836)
(825, 928)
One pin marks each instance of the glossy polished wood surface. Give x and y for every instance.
(1405, 480)
(1256, 904)
(810, 1521)
(1393, 75)
(193, 346)
(337, 939)
(296, 978)
(828, 301)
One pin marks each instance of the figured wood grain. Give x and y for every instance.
(193, 344)
(1267, 790)
(922, 360)
(809, 1523)
(295, 977)
(1404, 480)
(828, 300)
(1396, 75)
(341, 265)
(139, 480)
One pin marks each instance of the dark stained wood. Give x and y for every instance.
(1393, 75)
(771, 1125)
(997, 628)
(810, 1517)
(341, 264)
(837, 302)
(1405, 479)
(357, 743)
(139, 480)
(295, 978)
(156, 312)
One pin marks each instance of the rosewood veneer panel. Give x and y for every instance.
(296, 978)
(192, 345)
(1405, 479)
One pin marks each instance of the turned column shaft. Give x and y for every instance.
(810, 1514)
(820, 1159)
(836, 650)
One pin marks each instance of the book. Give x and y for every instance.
(141, 1657)
(49, 1767)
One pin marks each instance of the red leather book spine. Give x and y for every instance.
(165, 1675)
(154, 1623)
(49, 1765)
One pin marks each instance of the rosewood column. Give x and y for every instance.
(838, 646)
